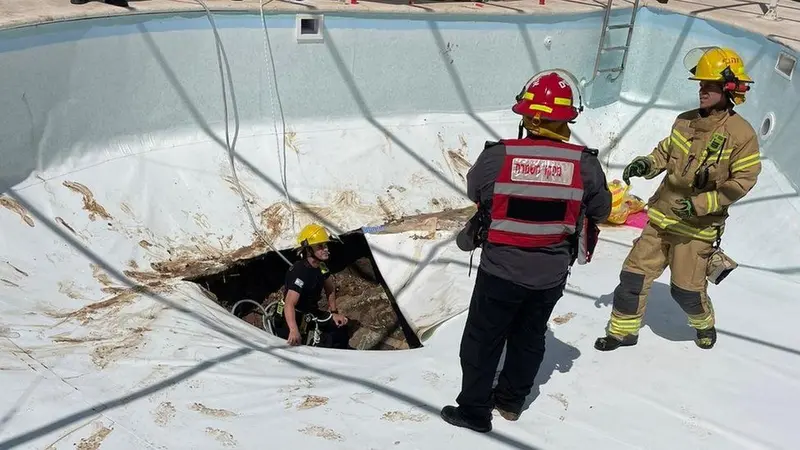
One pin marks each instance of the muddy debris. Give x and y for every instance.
(213, 412)
(196, 265)
(14, 206)
(105, 355)
(313, 401)
(561, 320)
(100, 275)
(89, 203)
(88, 312)
(94, 441)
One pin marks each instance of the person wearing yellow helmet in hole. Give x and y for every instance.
(303, 287)
(711, 159)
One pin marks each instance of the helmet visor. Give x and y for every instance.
(693, 57)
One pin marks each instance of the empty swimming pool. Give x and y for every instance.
(136, 153)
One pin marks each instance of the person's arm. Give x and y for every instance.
(482, 174)
(294, 288)
(596, 196)
(658, 158)
(330, 293)
(290, 302)
(744, 170)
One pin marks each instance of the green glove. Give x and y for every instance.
(685, 209)
(639, 167)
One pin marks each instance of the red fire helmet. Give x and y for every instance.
(549, 95)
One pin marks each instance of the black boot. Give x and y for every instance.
(506, 412)
(123, 3)
(608, 343)
(454, 416)
(706, 338)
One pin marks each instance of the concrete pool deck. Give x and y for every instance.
(744, 14)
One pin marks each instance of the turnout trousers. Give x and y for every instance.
(502, 313)
(653, 251)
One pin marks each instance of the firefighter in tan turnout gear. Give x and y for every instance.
(711, 159)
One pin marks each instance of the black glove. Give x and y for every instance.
(639, 167)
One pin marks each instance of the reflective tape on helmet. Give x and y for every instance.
(543, 108)
(527, 96)
(538, 191)
(562, 101)
(534, 229)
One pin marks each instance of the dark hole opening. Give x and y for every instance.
(309, 26)
(361, 292)
(766, 126)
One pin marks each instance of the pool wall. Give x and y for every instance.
(382, 118)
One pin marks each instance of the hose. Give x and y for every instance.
(280, 144)
(265, 322)
(230, 146)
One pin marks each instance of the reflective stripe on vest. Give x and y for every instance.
(544, 152)
(526, 190)
(546, 174)
(528, 228)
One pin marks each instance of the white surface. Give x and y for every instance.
(173, 370)
(426, 276)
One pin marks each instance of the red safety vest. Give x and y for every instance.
(537, 194)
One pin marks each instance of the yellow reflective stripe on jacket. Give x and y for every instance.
(676, 226)
(712, 201)
(744, 163)
(679, 141)
(726, 154)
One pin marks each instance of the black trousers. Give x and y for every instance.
(332, 336)
(501, 312)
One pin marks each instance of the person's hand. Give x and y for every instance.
(637, 168)
(339, 320)
(294, 337)
(684, 209)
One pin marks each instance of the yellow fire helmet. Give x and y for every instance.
(709, 64)
(313, 234)
(719, 64)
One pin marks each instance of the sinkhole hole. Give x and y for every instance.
(361, 292)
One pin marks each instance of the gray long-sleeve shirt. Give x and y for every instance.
(540, 268)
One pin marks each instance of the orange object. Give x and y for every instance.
(623, 204)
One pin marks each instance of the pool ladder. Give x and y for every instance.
(624, 48)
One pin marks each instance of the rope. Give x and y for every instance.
(230, 146)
